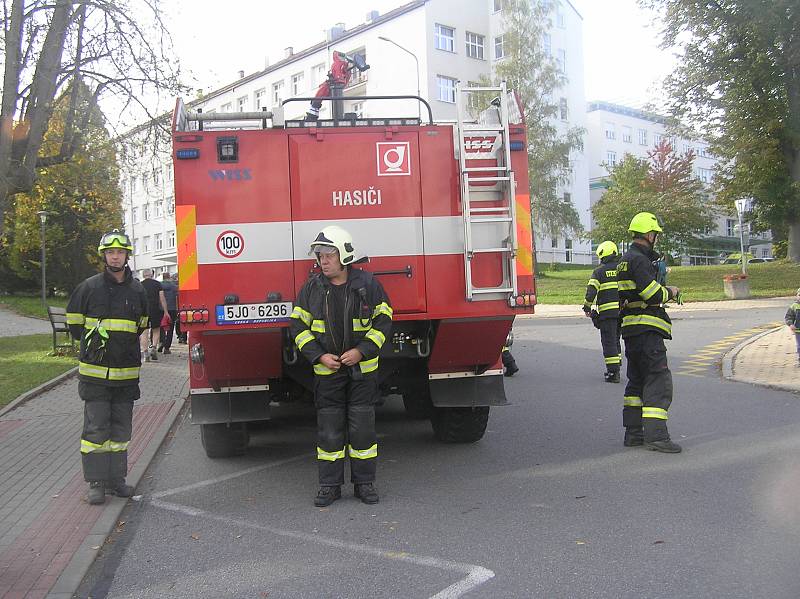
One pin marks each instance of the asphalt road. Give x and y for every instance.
(548, 505)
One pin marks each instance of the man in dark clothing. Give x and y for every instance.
(645, 325)
(602, 290)
(170, 290)
(107, 312)
(180, 334)
(156, 307)
(340, 321)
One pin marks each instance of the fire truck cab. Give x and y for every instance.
(441, 211)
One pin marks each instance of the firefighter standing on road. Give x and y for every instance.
(602, 290)
(107, 312)
(645, 325)
(340, 321)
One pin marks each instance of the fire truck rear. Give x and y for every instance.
(441, 210)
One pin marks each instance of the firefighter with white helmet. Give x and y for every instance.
(107, 312)
(603, 292)
(341, 319)
(645, 325)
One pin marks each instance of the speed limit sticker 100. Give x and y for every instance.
(230, 244)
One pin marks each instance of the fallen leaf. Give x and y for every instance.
(581, 497)
(658, 543)
(195, 536)
(95, 547)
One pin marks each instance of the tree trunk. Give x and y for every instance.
(793, 239)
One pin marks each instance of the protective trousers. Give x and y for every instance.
(612, 349)
(107, 427)
(648, 393)
(346, 426)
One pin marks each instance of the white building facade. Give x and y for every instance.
(443, 42)
(614, 131)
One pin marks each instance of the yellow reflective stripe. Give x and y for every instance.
(144, 322)
(636, 305)
(650, 290)
(632, 400)
(588, 304)
(118, 445)
(608, 306)
(318, 326)
(665, 297)
(364, 454)
(654, 413)
(119, 324)
(91, 321)
(302, 338)
(330, 456)
(383, 308)
(357, 326)
(301, 314)
(647, 320)
(100, 372)
(123, 374)
(322, 370)
(593, 283)
(89, 447)
(369, 365)
(613, 360)
(376, 337)
(75, 318)
(626, 285)
(609, 285)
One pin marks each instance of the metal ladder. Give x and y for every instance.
(487, 192)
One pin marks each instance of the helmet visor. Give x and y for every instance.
(323, 249)
(119, 240)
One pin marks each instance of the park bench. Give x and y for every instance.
(58, 320)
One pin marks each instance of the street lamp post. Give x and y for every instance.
(742, 206)
(43, 218)
(416, 62)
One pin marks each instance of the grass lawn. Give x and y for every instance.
(30, 305)
(26, 362)
(698, 283)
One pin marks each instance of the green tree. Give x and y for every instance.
(738, 81)
(662, 184)
(81, 197)
(534, 75)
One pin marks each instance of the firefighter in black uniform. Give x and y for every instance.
(645, 325)
(340, 321)
(602, 290)
(107, 312)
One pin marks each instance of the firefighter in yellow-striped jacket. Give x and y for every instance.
(645, 325)
(107, 312)
(341, 319)
(602, 291)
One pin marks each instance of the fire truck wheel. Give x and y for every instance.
(224, 440)
(460, 425)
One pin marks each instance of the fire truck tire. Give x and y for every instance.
(460, 425)
(224, 440)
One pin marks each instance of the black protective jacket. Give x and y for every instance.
(108, 317)
(367, 320)
(640, 294)
(602, 289)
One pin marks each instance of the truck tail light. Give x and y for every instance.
(525, 299)
(193, 315)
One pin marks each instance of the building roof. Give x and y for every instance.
(627, 111)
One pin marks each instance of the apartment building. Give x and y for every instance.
(614, 131)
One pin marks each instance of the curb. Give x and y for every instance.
(36, 391)
(729, 358)
(72, 576)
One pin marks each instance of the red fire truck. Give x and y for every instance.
(441, 211)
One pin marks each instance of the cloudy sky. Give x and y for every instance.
(622, 60)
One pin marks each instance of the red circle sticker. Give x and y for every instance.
(230, 244)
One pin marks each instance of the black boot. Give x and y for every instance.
(511, 369)
(611, 377)
(367, 493)
(119, 488)
(666, 446)
(634, 436)
(327, 495)
(96, 495)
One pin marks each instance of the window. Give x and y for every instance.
(446, 87)
(657, 137)
(703, 152)
(124, 219)
(358, 108)
(159, 209)
(297, 84)
(226, 107)
(146, 244)
(241, 104)
(134, 215)
(169, 173)
(133, 184)
(563, 111)
(260, 99)
(135, 246)
(554, 242)
(568, 248)
(765, 252)
(497, 5)
(158, 241)
(318, 74)
(156, 176)
(548, 44)
(562, 61)
(146, 212)
(444, 38)
(144, 181)
(611, 158)
(475, 45)
(705, 174)
(277, 93)
(730, 227)
(627, 134)
(610, 131)
(171, 206)
(170, 239)
(707, 230)
(499, 51)
(642, 137)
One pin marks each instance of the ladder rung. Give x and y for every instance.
(492, 289)
(484, 169)
(490, 250)
(481, 179)
(491, 219)
(492, 209)
(481, 129)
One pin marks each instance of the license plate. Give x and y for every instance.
(254, 313)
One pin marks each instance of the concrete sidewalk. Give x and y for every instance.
(675, 310)
(769, 359)
(49, 534)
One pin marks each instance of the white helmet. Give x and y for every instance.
(335, 237)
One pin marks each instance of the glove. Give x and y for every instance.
(586, 310)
